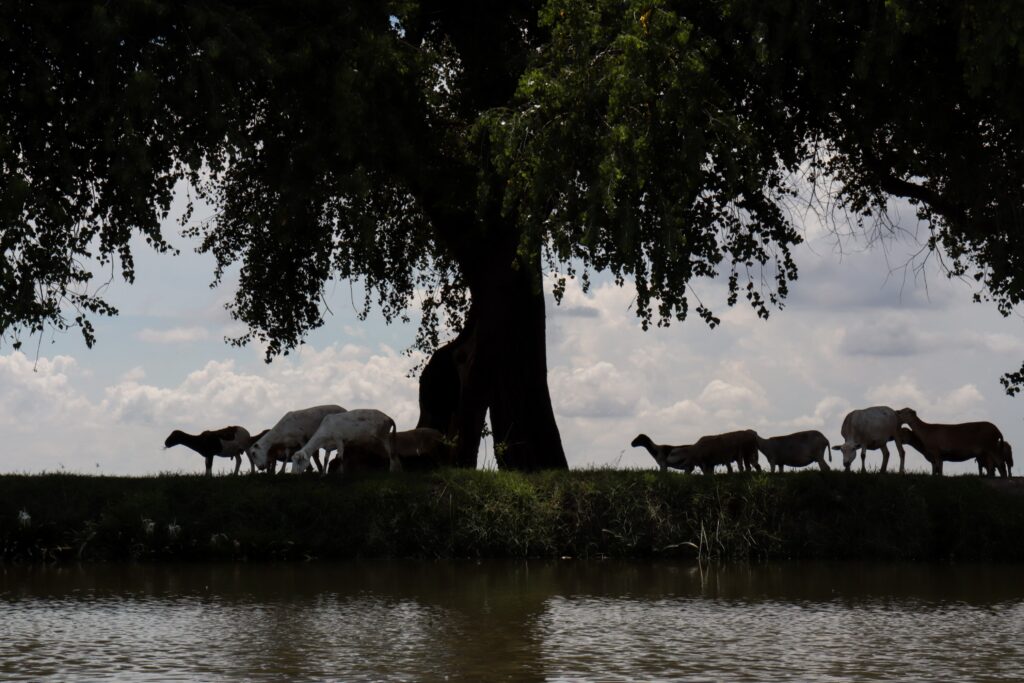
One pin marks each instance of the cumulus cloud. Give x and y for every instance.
(961, 404)
(598, 390)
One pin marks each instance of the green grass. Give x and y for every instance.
(587, 514)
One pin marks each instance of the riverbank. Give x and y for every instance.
(455, 514)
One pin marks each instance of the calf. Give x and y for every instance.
(870, 428)
(796, 450)
(719, 449)
(958, 442)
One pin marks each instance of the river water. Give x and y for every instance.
(558, 621)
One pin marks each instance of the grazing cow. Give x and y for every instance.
(1007, 460)
(796, 450)
(289, 434)
(369, 428)
(870, 428)
(959, 442)
(417, 449)
(658, 451)
(718, 449)
(225, 443)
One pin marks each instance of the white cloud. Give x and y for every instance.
(961, 404)
(598, 390)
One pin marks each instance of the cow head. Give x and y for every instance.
(258, 451)
(849, 453)
(906, 415)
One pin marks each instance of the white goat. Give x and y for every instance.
(367, 428)
(289, 434)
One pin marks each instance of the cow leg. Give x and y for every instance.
(209, 465)
(238, 462)
(339, 456)
(885, 457)
(899, 449)
(316, 457)
(394, 464)
(937, 466)
(822, 465)
(728, 467)
(863, 456)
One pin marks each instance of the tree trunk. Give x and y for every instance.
(498, 362)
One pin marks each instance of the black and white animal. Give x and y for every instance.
(289, 434)
(796, 450)
(229, 442)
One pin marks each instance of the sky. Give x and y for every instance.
(857, 330)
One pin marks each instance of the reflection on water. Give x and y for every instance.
(513, 621)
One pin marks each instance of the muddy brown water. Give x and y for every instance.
(557, 621)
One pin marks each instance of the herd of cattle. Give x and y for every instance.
(368, 439)
(864, 429)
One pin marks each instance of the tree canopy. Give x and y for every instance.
(458, 150)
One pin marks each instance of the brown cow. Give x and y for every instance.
(958, 442)
(718, 449)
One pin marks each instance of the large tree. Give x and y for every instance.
(455, 152)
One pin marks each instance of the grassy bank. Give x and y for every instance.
(587, 514)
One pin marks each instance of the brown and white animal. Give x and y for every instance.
(658, 451)
(417, 449)
(366, 427)
(289, 434)
(224, 443)
(718, 449)
(796, 450)
(870, 428)
(958, 442)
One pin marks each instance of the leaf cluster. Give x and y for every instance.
(641, 142)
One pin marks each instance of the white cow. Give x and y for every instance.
(289, 434)
(368, 428)
(870, 428)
